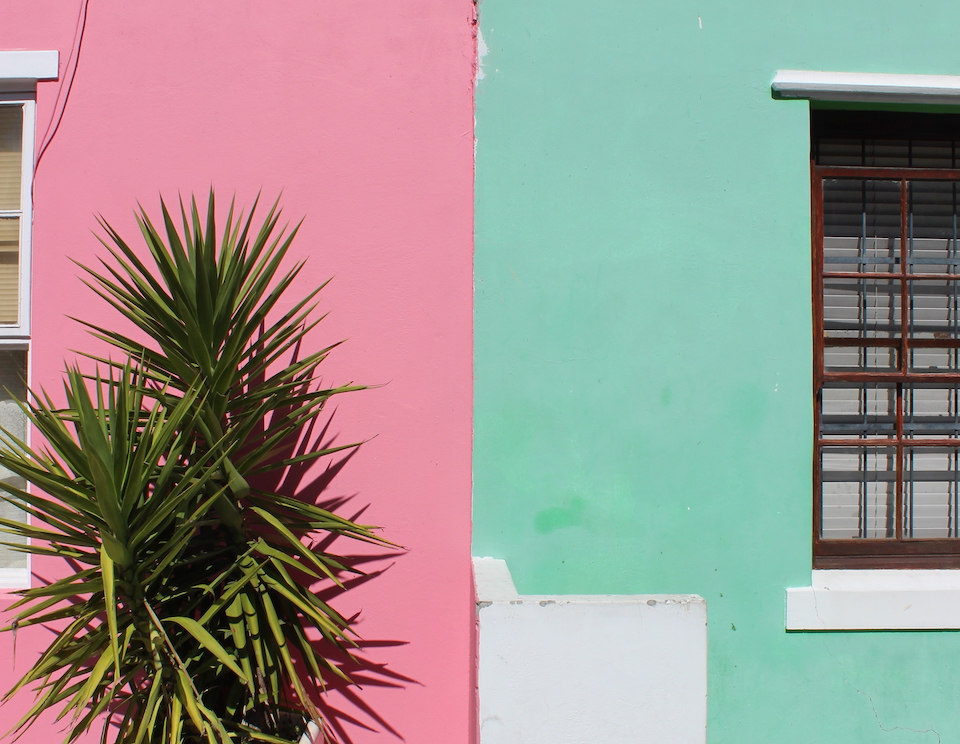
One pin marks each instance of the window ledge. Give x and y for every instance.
(817, 85)
(20, 70)
(876, 600)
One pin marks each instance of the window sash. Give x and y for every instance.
(912, 295)
(15, 244)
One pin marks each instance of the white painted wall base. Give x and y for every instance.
(595, 669)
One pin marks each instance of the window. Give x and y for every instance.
(16, 170)
(886, 295)
(19, 73)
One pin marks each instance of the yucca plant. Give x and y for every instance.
(169, 479)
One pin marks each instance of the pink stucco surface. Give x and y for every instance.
(361, 112)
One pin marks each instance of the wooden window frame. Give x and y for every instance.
(898, 551)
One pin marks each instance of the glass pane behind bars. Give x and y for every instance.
(860, 358)
(931, 411)
(934, 305)
(858, 492)
(932, 227)
(931, 477)
(850, 410)
(861, 223)
(861, 308)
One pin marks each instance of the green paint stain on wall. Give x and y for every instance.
(557, 517)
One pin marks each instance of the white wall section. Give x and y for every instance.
(595, 669)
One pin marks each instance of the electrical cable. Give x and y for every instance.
(66, 86)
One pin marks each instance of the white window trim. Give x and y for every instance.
(817, 85)
(19, 73)
(873, 599)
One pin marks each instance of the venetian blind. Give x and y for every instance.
(11, 164)
(11, 156)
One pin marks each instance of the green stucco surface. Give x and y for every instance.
(643, 335)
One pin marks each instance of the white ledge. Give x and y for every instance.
(493, 580)
(817, 85)
(29, 66)
(876, 600)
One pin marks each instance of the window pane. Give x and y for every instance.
(861, 308)
(930, 487)
(13, 368)
(932, 154)
(932, 228)
(861, 208)
(839, 151)
(11, 160)
(850, 410)
(933, 308)
(9, 269)
(934, 360)
(931, 411)
(858, 492)
(860, 358)
(889, 153)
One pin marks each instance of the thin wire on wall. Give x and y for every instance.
(63, 93)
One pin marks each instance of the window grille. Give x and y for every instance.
(886, 208)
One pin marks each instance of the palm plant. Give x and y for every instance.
(190, 617)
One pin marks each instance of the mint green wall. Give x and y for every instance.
(643, 344)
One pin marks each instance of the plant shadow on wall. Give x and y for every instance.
(180, 482)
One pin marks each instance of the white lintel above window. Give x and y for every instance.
(20, 70)
(817, 85)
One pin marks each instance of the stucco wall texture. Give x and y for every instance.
(361, 113)
(643, 335)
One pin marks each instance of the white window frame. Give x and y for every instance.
(19, 73)
(872, 599)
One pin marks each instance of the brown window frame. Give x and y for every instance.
(898, 551)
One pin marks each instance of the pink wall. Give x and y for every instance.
(361, 111)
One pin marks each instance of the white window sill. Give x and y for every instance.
(876, 600)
